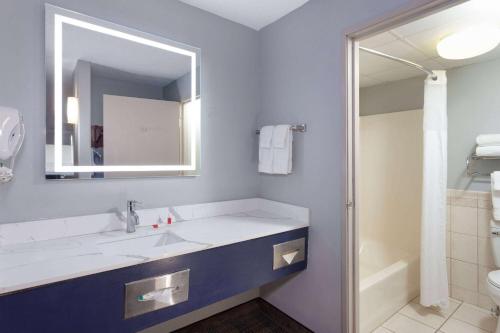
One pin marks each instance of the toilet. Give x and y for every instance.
(493, 279)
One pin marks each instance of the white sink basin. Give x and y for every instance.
(139, 244)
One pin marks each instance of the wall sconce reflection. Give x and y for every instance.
(72, 110)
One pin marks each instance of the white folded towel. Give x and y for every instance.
(488, 140)
(488, 150)
(266, 136)
(280, 136)
(266, 149)
(282, 149)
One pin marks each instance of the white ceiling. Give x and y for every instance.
(417, 42)
(255, 14)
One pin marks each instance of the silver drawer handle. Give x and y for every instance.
(289, 256)
(157, 295)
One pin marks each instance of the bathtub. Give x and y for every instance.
(388, 280)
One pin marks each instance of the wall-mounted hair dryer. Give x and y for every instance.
(11, 140)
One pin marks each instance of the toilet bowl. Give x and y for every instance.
(493, 278)
(493, 284)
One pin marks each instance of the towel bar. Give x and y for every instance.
(473, 157)
(301, 128)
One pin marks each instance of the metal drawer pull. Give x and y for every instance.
(163, 295)
(288, 257)
(289, 253)
(155, 293)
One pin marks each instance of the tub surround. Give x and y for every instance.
(390, 200)
(390, 203)
(42, 252)
(389, 272)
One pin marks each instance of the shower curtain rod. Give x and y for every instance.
(403, 61)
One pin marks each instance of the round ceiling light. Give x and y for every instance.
(469, 43)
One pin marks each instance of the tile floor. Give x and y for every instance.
(458, 318)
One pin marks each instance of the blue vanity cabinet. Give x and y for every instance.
(95, 303)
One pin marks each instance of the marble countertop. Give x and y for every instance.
(33, 263)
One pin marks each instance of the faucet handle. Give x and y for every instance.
(133, 204)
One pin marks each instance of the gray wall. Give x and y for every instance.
(390, 97)
(473, 108)
(229, 79)
(302, 81)
(180, 89)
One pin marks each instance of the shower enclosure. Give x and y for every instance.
(390, 212)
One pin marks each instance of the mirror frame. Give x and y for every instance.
(55, 18)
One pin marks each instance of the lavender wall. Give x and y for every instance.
(302, 81)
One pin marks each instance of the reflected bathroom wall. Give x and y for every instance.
(123, 103)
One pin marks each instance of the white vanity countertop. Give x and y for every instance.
(45, 257)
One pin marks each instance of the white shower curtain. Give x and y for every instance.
(433, 273)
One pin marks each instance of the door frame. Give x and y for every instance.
(350, 276)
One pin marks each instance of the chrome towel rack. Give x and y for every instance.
(300, 128)
(470, 161)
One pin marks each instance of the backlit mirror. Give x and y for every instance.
(120, 102)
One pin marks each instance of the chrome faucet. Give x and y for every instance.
(132, 217)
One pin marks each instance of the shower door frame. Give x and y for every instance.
(350, 276)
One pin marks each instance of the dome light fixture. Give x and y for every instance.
(469, 43)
